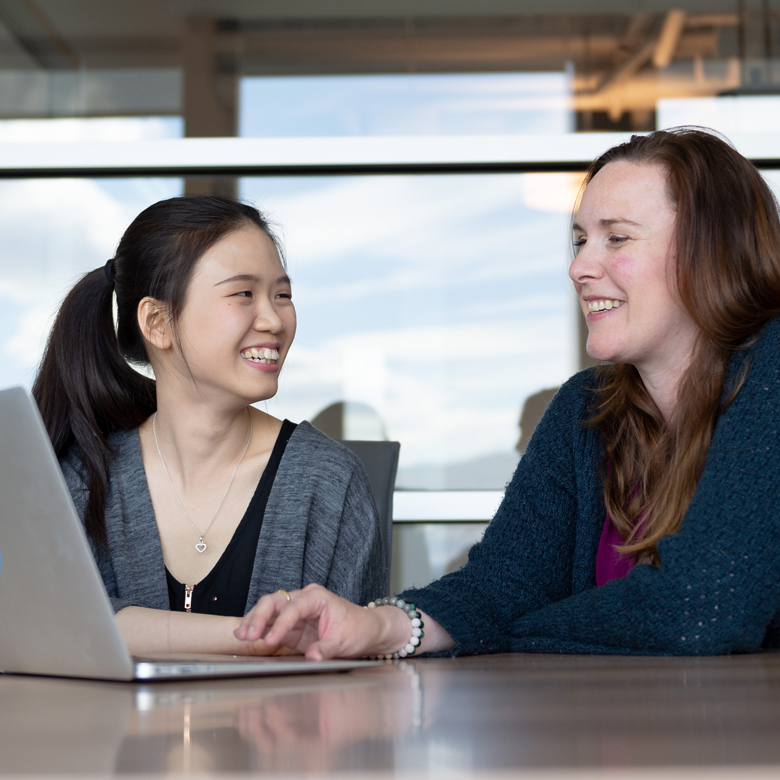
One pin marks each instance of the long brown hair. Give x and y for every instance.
(727, 276)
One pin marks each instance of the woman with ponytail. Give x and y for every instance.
(644, 516)
(193, 500)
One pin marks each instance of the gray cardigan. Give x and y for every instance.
(320, 525)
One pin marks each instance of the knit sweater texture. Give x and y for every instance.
(529, 585)
(320, 525)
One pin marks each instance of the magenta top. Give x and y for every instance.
(610, 564)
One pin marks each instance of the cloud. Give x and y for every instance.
(53, 232)
(451, 290)
(412, 218)
(447, 393)
(93, 129)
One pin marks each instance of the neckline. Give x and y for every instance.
(213, 572)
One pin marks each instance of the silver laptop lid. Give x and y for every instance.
(55, 616)
(195, 665)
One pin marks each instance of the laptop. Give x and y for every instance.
(55, 615)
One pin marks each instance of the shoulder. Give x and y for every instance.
(125, 452)
(763, 348)
(309, 447)
(574, 400)
(317, 471)
(562, 434)
(74, 470)
(770, 333)
(756, 367)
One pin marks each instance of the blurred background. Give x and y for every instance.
(434, 306)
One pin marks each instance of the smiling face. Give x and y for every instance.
(624, 236)
(238, 320)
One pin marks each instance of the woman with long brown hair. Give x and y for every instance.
(644, 516)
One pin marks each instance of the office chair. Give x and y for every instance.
(380, 460)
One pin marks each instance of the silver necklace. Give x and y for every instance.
(201, 545)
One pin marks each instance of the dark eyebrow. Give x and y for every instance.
(618, 221)
(252, 278)
(609, 223)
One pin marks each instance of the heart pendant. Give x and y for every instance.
(200, 546)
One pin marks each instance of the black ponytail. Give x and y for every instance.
(85, 388)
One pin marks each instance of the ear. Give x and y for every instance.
(154, 323)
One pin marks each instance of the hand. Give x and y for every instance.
(321, 625)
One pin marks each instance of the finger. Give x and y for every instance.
(263, 614)
(305, 605)
(255, 620)
(314, 653)
(260, 647)
(284, 627)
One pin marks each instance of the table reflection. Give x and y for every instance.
(290, 724)
(54, 725)
(465, 715)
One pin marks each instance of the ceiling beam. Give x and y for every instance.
(35, 33)
(377, 9)
(669, 37)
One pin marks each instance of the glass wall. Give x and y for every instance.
(434, 309)
(433, 304)
(190, 58)
(407, 104)
(53, 231)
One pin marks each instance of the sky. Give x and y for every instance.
(406, 104)
(440, 300)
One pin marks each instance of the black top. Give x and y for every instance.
(224, 590)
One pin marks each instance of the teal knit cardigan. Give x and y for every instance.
(529, 585)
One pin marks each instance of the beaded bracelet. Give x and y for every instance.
(417, 625)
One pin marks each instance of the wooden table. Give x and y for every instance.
(492, 716)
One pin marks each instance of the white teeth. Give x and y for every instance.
(603, 305)
(260, 355)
